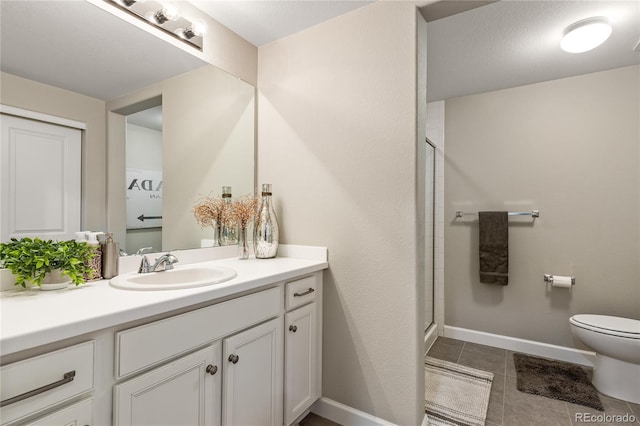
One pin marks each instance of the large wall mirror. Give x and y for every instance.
(77, 61)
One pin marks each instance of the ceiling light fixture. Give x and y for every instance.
(166, 17)
(585, 35)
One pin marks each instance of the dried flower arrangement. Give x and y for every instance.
(243, 210)
(212, 212)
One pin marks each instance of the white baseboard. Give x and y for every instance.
(430, 337)
(345, 415)
(531, 347)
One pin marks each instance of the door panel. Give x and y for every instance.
(252, 379)
(40, 179)
(183, 392)
(300, 361)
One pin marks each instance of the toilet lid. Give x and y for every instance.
(609, 323)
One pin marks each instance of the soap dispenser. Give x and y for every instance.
(110, 257)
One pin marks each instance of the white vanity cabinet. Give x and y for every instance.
(236, 380)
(251, 356)
(303, 346)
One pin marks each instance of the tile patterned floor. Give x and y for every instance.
(510, 407)
(315, 420)
(507, 405)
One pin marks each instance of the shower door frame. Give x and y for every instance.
(433, 237)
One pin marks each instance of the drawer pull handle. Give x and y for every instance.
(68, 377)
(311, 290)
(234, 358)
(293, 328)
(212, 369)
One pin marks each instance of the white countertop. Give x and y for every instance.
(31, 317)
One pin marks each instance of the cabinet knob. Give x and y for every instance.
(212, 369)
(234, 358)
(293, 328)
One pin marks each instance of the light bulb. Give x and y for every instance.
(585, 35)
(198, 27)
(167, 13)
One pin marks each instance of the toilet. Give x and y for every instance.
(616, 342)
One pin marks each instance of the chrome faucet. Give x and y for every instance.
(163, 263)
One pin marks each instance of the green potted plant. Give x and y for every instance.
(45, 261)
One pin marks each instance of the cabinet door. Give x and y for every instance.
(183, 392)
(252, 389)
(300, 390)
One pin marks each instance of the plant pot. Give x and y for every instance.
(55, 280)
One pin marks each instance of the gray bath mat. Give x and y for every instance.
(555, 379)
(455, 394)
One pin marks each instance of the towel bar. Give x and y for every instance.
(532, 213)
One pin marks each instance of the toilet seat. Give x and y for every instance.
(613, 326)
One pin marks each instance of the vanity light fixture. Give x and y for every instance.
(165, 17)
(586, 34)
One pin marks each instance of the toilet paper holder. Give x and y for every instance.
(549, 279)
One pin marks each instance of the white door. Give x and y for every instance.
(183, 392)
(40, 179)
(252, 388)
(300, 390)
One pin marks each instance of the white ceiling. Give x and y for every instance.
(77, 46)
(513, 43)
(263, 21)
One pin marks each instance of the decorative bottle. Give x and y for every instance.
(266, 234)
(229, 232)
(96, 262)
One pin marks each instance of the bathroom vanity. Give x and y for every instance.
(246, 351)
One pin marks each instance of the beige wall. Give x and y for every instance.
(570, 149)
(337, 139)
(34, 96)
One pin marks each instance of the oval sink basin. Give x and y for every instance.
(180, 277)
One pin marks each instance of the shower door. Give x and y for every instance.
(429, 239)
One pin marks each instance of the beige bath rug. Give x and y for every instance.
(455, 394)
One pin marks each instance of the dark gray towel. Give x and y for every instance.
(494, 247)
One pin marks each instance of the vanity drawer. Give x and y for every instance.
(80, 414)
(150, 344)
(300, 292)
(41, 382)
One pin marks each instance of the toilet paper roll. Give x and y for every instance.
(561, 281)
